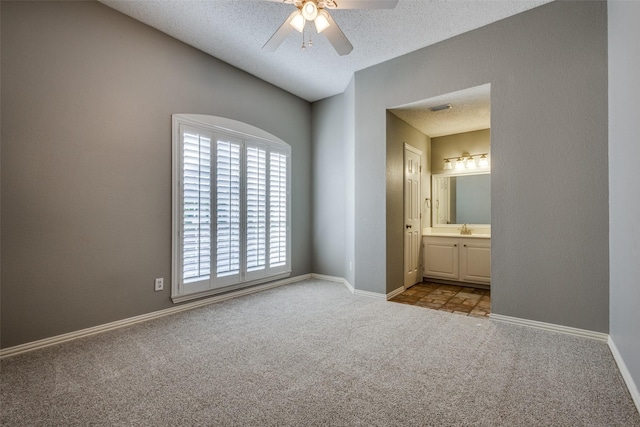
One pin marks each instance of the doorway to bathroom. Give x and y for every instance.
(447, 261)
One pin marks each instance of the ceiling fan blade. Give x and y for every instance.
(366, 4)
(336, 37)
(278, 37)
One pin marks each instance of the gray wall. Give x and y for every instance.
(548, 73)
(333, 136)
(329, 201)
(350, 181)
(87, 98)
(624, 176)
(398, 133)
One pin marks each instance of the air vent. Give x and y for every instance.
(441, 107)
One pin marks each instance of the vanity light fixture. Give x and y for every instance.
(466, 161)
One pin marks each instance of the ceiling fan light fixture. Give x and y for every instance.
(309, 10)
(322, 21)
(298, 22)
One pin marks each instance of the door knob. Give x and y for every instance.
(408, 226)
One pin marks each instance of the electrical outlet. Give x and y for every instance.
(159, 285)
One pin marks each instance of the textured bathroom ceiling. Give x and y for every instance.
(235, 31)
(470, 110)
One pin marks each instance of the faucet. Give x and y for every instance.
(465, 230)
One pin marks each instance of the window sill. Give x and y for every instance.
(217, 291)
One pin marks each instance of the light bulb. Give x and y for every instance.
(459, 163)
(483, 162)
(447, 165)
(298, 22)
(310, 10)
(471, 164)
(322, 21)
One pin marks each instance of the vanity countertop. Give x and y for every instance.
(481, 234)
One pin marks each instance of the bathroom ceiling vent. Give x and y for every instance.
(441, 107)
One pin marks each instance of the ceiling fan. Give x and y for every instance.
(316, 11)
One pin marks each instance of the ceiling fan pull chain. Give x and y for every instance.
(304, 47)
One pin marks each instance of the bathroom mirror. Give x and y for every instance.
(461, 199)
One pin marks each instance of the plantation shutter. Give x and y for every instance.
(196, 206)
(256, 211)
(231, 207)
(228, 212)
(277, 209)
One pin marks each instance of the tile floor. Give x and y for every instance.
(454, 299)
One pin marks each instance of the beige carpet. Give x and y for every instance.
(312, 354)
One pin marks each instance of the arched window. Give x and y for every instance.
(231, 206)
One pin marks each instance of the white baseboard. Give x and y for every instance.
(626, 375)
(598, 336)
(369, 294)
(357, 291)
(398, 291)
(349, 286)
(58, 339)
(333, 279)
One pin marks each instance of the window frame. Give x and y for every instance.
(250, 136)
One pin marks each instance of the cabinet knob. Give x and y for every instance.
(455, 246)
(464, 246)
(408, 226)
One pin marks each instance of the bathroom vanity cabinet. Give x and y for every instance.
(458, 258)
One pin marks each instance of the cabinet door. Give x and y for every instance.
(475, 260)
(441, 258)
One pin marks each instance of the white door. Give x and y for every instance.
(412, 230)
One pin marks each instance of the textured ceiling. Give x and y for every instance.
(235, 31)
(470, 110)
